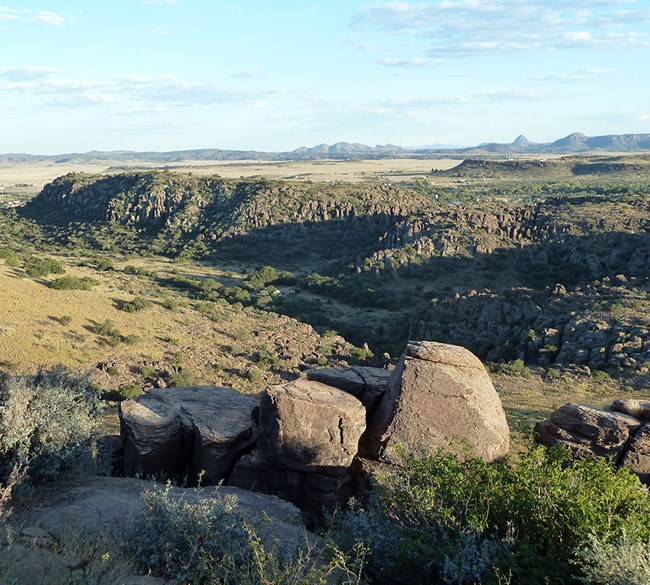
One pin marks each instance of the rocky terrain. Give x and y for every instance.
(622, 434)
(560, 278)
(308, 441)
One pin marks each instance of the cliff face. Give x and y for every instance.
(150, 200)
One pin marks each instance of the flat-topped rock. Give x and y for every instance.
(587, 431)
(186, 431)
(366, 383)
(307, 424)
(345, 379)
(439, 396)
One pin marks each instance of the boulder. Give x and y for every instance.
(438, 396)
(306, 425)
(637, 408)
(367, 384)
(345, 379)
(182, 432)
(637, 455)
(587, 431)
(308, 437)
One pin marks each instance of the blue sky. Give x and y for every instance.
(78, 75)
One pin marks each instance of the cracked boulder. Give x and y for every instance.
(588, 431)
(184, 432)
(438, 396)
(308, 437)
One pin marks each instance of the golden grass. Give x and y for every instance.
(38, 174)
(40, 326)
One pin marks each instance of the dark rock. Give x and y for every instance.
(587, 431)
(637, 454)
(187, 431)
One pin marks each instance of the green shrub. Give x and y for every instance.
(110, 335)
(124, 392)
(47, 421)
(105, 264)
(172, 304)
(11, 258)
(133, 306)
(208, 542)
(148, 372)
(526, 519)
(600, 376)
(623, 562)
(514, 368)
(35, 267)
(183, 377)
(73, 283)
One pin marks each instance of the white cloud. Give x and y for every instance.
(34, 16)
(588, 75)
(445, 29)
(161, 1)
(129, 93)
(578, 36)
(160, 31)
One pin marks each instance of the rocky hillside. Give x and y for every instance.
(172, 211)
(562, 279)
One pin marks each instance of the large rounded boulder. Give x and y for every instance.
(439, 396)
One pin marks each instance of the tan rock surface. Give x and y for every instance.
(439, 396)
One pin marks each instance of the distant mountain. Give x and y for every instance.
(340, 150)
(571, 144)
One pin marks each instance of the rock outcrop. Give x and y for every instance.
(587, 431)
(308, 438)
(623, 435)
(310, 441)
(439, 396)
(184, 432)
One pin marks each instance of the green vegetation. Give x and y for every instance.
(36, 267)
(540, 519)
(73, 283)
(110, 335)
(47, 423)
(135, 305)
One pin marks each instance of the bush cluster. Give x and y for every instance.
(47, 422)
(541, 519)
(73, 283)
(207, 541)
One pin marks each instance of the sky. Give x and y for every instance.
(81, 75)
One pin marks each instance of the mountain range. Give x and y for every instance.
(571, 144)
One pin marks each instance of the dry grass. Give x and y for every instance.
(41, 326)
(38, 174)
